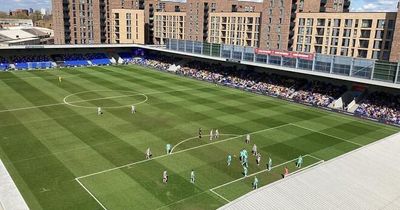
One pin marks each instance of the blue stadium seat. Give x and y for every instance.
(99, 59)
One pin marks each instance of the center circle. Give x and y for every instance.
(118, 94)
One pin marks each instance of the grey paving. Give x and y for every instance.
(367, 178)
(10, 197)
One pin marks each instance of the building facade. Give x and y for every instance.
(127, 26)
(169, 25)
(85, 22)
(293, 25)
(364, 35)
(234, 28)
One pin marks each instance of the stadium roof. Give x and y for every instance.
(21, 34)
(367, 178)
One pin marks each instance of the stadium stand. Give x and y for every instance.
(32, 62)
(126, 57)
(98, 59)
(315, 93)
(3, 64)
(74, 60)
(382, 106)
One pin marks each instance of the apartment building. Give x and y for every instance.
(169, 25)
(127, 26)
(235, 28)
(89, 21)
(82, 21)
(321, 26)
(364, 35)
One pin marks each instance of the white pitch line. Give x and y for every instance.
(180, 151)
(309, 166)
(258, 172)
(325, 134)
(253, 174)
(30, 107)
(220, 196)
(196, 137)
(62, 103)
(94, 197)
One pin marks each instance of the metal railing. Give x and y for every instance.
(330, 64)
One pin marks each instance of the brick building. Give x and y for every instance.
(364, 35)
(85, 22)
(275, 22)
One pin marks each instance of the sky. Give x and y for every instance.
(356, 5)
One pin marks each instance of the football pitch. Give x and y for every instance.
(62, 155)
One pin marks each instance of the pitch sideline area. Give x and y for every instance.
(10, 197)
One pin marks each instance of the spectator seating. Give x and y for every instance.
(3, 64)
(300, 90)
(72, 60)
(126, 56)
(382, 106)
(32, 62)
(98, 59)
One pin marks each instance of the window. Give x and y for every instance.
(380, 24)
(348, 23)
(391, 24)
(336, 22)
(365, 34)
(320, 22)
(366, 23)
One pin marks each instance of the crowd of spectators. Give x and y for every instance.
(378, 105)
(300, 90)
(382, 106)
(31, 58)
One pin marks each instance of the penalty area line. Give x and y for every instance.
(219, 195)
(258, 172)
(180, 151)
(196, 137)
(94, 197)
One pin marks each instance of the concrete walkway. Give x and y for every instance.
(367, 178)
(10, 197)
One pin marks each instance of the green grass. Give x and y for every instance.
(49, 146)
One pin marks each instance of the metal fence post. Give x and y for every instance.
(297, 63)
(211, 48)
(332, 61)
(231, 55)
(193, 47)
(373, 71)
(185, 45)
(220, 50)
(241, 57)
(351, 67)
(281, 60)
(397, 72)
(313, 62)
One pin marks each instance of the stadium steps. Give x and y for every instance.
(352, 107)
(336, 104)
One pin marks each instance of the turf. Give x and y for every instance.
(48, 146)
